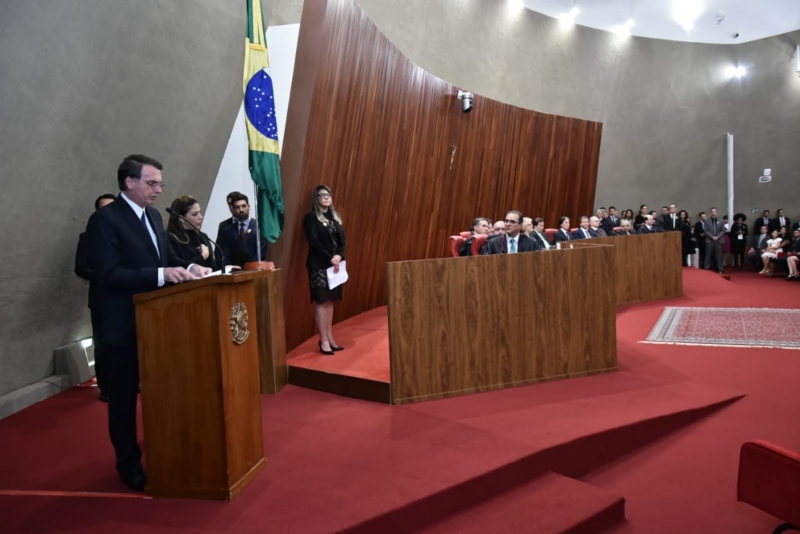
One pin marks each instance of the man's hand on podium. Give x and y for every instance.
(176, 275)
(199, 271)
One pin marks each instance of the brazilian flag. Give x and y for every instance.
(262, 127)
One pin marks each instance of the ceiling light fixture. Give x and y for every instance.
(569, 18)
(736, 72)
(686, 12)
(624, 30)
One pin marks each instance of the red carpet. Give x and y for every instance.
(652, 433)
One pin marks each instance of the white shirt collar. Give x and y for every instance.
(136, 207)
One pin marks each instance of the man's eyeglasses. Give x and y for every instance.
(511, 221)
(154, 184)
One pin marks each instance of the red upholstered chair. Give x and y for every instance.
(455, 245)
(769, 479)
(477, 242)
(550, 234)
(465, 235)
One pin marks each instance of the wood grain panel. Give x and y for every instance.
(271, 332)
(648, 266)
(463, 325)
(406, 166)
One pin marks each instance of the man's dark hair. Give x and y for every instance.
(537, 221)
(236, 197)
(583, 217)
(103, 197)
(477, 221)
(611, 208)
(518, 214)
(230, 196)
(701, 214)
(562, 219)
(131, 167)
(664, 207)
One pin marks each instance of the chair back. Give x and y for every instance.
(466, 235)
(455, 245)
(477, 242)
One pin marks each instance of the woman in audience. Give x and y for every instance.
(772, 251)
(640, 218)
(527, 226)
(187, 242)
(687, 237)
(792, 259)
(738, 237)
(627, 215)
(325, 234)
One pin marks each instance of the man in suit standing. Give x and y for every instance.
(605, 222)
(700, 238)
(669, 220)
(715, 235)
(225, 222)
(613, 218)
(563, 230)
(239, 241)
(539, 235)
(130, 254)
(764, 220)
(779, 222)
(513, 241)
(83, 268)
(647, 227)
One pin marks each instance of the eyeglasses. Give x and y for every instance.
(154, 184)
(324, 195)
(511, 221)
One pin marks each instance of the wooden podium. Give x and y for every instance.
(199, 373)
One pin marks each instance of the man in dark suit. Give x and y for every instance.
(595, 229)
(658, 220)
(715, 236)
(700, 238)
(780, 221)
(480, 226)
(647, 227)
(669, 220)
(613, 218)
(225, 222)
(758, 247)
(764, 220)
(539, 235)
(563, 230)
(513, 241)
(583, 231)
(83, 268)
(625, 229)
(605, 221)
(130, 254)
(239, 241)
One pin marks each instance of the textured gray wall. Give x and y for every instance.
(84, 83)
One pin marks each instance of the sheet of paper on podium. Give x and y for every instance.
(337, 279)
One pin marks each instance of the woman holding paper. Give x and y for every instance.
(325, 234)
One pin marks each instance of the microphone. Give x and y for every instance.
(200, 234)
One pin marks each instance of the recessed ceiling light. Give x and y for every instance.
(686, 12)
(623, 30)
(736, 72)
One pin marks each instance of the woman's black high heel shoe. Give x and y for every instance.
(336, 349)
(323, 351)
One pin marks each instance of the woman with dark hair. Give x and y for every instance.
(687, 237)
(627, 215)
(186, 242)
(326, 243)
(640, 218)
(738, 237)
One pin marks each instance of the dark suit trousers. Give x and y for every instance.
(123, 374)
(100, 364)
(714, 254)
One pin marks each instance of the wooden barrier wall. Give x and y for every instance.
(407, 167)
(464, 325)
(648, 266)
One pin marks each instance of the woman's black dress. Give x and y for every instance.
(187, 248)
(738, 246)
(687, 238)
(325, 240)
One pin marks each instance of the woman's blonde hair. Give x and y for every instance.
(318, 211)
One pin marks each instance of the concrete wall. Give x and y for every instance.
(85, 82)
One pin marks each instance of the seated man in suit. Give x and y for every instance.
(232, 219)
(499, 228)
(539, 235)
(563, 230)
(513, 241)
(595, 228)
(625, 228)
(658, 222)
(238, 241)
(480, 226)
(647, 227)
(758, 247)
(583, 231)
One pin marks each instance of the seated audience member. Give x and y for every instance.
(539, 235)
(791, 260)
(640, 217)
(583, 232)
(480, 226)
(700, 239)
(626, 228)
(757, 248)
(594, 228)
(647, 227)
(772, 251)
(527, 226)
(499, 228)
(604, 221)
(238, 241)
(513, 241)
(627, 215)
(187, 243)
(563, 230)
(780, 221)
(764, 220)
(658, 222)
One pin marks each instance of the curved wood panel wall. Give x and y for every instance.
(407, 167)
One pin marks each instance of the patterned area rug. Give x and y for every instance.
(728, 327)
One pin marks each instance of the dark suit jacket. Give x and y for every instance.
(607, 225)
(775, 224)
(237, 253)
(623, 232)
(540, 240)
(83, 265)
(761, 244)
(666, 223)
(563, 235)
(699, 234)
(643, 230)
(761, 221)
(189, 252)
(466, 247)
(125, 262)
(578, 234)
(321, 248)
(498, 246)
(222, 225)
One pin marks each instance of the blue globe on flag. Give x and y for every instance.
(259, 104)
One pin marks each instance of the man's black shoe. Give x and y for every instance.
(103, 397)
(136, 481)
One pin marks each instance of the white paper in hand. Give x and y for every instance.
(337, 279)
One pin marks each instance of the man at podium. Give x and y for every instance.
(130, 253)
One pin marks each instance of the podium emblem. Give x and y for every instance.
(239, 320)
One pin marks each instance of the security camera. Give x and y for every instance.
(735, 35)
(466, 101)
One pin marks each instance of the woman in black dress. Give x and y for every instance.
(738, 235)
(687, 237)
(188, 243)
(325, 234)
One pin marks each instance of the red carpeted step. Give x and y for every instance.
(549, 504)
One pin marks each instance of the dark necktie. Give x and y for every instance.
(714, 226)
(144, 221)
(241, 232)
